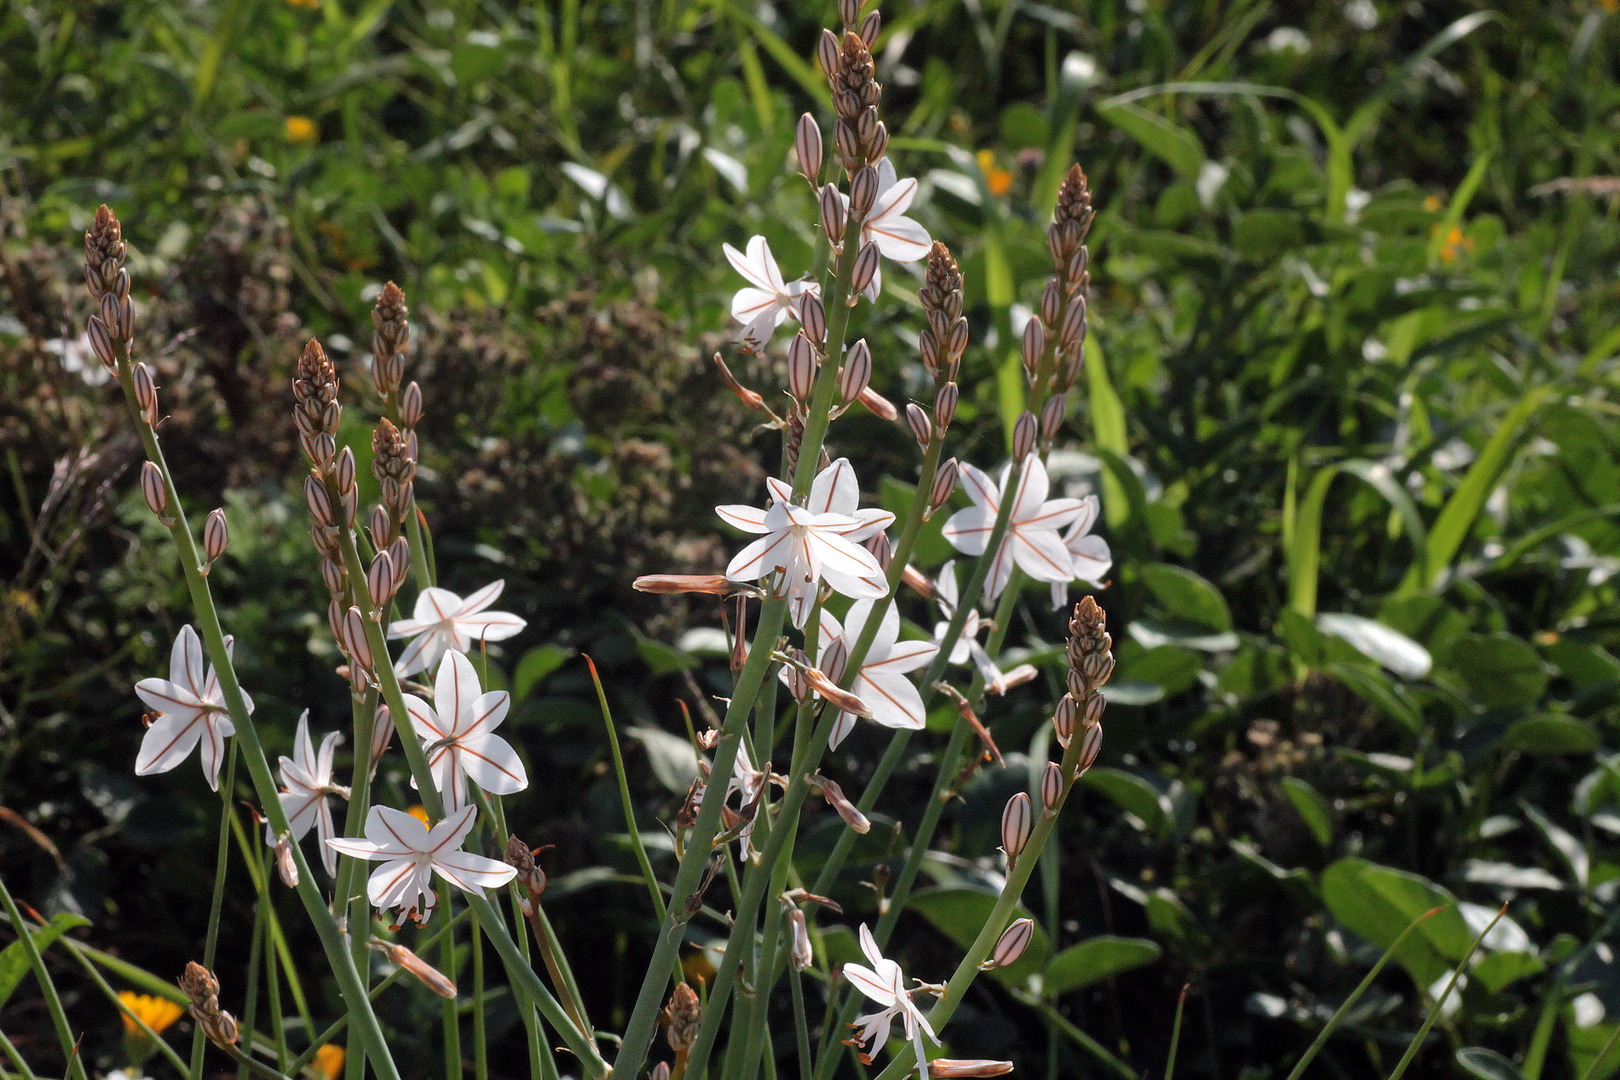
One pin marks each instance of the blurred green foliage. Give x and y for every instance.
(1349, 401)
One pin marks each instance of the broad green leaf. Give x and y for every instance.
(1549, 734)
(673, 760)
(1175, 146)
(1397, 652)
(1499, 669)
(1311, 807)
(14, 963)
(1134, 795)
(1377, 689)
(1107, 430)
(537, 664)
(1499, 970)
(1187, 596)
(1096, 959)
(1487, 1064)
(960, 914)
(1379, 902)
(1265, 234)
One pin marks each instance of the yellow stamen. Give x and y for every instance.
(419, 812)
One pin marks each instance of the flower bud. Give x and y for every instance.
(529, 874)
(333, 575)
(849, 11)
(812, 316)
(801, 368)
(1051, 417)
(101, 344)
(836, 696)
(320, 503)
(878, 144)
(152, 489)
(216, 534)
(1090, 746)
(928, 349)
(711, 584)
(847, 142)
(836, 799)
(357, 644)
(878, 405)
(684, 1015)
(921, 428)
(832, 218)
(881, 549)
(1063, 720)
(1075, 272)
(118, 314)
(1025, 431)
(1034, 345)
(869, 28)
(945, 405)
(380, 580)
(382, 733)
(1011, 945)
(410, 404)
(1051, 303)
(1073, 331)
(798, 683)
(744, 395)
(286, 867)
(943, 1068)
(866, 268)
(863, 191)
(944, 486)
(1051, 788)
(145, 393)
(350, 502)
(428, 975)
(1016, 822)
(834, 656)
(956, 344)
(345, 471)
(856, 372)
(660, 1071)
(382, 527)
(827, 53)
(799, 930)
(807, 147)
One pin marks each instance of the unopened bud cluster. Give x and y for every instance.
(683, 1015)
(114, 322)
(1058, 328)
(1091, 663)
(202, 988)
(529, 874)
(859, 137)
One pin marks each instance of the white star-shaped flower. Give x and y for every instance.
(443, 621)
(768, 300)
(1032, 541)
(812, 543)
(413, 854)
(885, 984)
(191, 710)
(1091, 555)
(897, 237)
(307, 780)
(460, 738)
(894, 699)
(967, 648)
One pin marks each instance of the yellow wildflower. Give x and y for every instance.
(302, 129)
(158, 1013)
(419, 812)
(329, 1059)
(1432, 203)
(997, 179)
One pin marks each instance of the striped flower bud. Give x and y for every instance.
(381, 527)
(344, 469)
(333, 574)
(426, 974)
(1016, 823)
(660, 1071)
(1063, 720)
(320, 503)
(1092, 714)
(1051, 788)
(1051, 303)
(882, 550)
(944, 486)
(1011, 945)
(836, 799)
(711, 584)
(863, 191)
(145, 393)
(832, 215)
(1073, 330)
(118, 316)
(928, 349)
(866, 268)
(1090, 747)
(847, 142)
(945, 405)
(827, 53)
(943, 1068)
(380, 582)
(152, 489)
(1051, 417)
(856, 372)
(349, 502)
(799, 931)
(922, 429)
(1034, 345)
(878, 405)
(798, 683)
(878, 144)
(834, 657)
(956, 344)
(410, 404)
(1025, 432)
(334, 622)
(812, 315)
(357, 644)
(382, 734)
(216, 534)
(869, 28)
(286, 866)
(801, 368)
(849, 11)
(807, 147)
(400, 552)
(101, 344)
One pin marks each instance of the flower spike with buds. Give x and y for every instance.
(202, 988)
(768, 299)
(307, 781)
(443, 621)
(414, 853)
(191, 710)
(885, 984)
(1032, 539)
(1091, 554)
(459, 738)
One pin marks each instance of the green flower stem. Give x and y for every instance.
(278, 1030)
(256, 951)
(449, 1006)
(155, 1037)
(766, 965)
(480, 1050)
(247, 739)
(53, 1002)
(222, 859)
(517, 968)
(17, 1059)
(540, 1060)
(801, 1021)
(413, 520)
(261, 886)
(364, 710)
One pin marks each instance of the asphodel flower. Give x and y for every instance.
(1031, 542)
(307, 782)
(806, 545)
(897, 237)
(412, 853)
(1090, 554)
(892, 698)
(459, 737)
(967, 648)
(885, 984)
(443, 621)
(767, 300)
(191, 711)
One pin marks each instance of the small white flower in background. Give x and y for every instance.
(459, 737)
(1032, 540)
(816, 542)
(307, 780)
(1091, 554)
(191, 710)
(443, 621)
(967, 648)
(749, 783)
(885, 984)
(413, 854)
(897, 237)
(80, 359)
(768, 300)
(894, 699)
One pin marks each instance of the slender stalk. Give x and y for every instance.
(17, 1059)
(272, 994)
(449, 1010)
(480, 1050)
(53, 1002)
(277, 939)
(540, 1060)
(222, 858)
(1175, 1037)
(1439, 1002)
(801, 1022)
(250, 1011)
(146, 1029)
(1097, 1049)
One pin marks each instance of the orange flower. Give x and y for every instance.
(419, 812)
(997, 179)
(302, 129)
(158, 1013)
(329, 1059)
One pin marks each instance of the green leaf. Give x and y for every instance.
(1379, 902)
(1175, 146)
(1378, 690)
(1498, 970)
(1107, 431)
(1550, 734)
(1487, 1064)
(1187, 596)
(1397, 652)
(960, 914)
(538, 663)
(14, 960)
(1096, 959)
(1134, 795)
(673, 760)
(1264, 234)
(1310, 806)
(1499, 669)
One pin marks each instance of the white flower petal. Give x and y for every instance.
(1041, 555)
(750, 519)
(168, 742)
(472, 873)
(835, 490)
(492, 764)
(455, 690)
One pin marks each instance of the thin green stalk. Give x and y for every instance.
(801, 1022)
(1439, 1002)
(222, 858)
(765, 969)
(53, 1003)
(1175, 1037)
(539, 1053)
(1066, 1026)
(17, 1059)
(626, 802)
(452, 1017)
(278, 939)
(480, 1050)
(1608, 1044)
(250, 1011)
(112, 995)
(278, 1030)
(363, 718)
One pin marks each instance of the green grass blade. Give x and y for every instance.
(1434, 1012)
(1175, 1036)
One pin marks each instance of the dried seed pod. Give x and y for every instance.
(801, 368)
(1025, 431)
(1011, 945)
(944, 486)
(827, 54)
(153, 490)
(866, 268)
(943, 1068)
(807, 147)
(799, 931)
(357, 644)
(922, 429)
(380, 580)
(832, 215)
(856, 373)
(1034, 345)
(1063, 720)
(410, 404)
(1016, 823)
(101, 344)
(428, 975)
(286, 866)
(345, 470)
(145, 393)
(1051, 788)
(216, 534)
(1051, 417)
(320, 503)
(863, 191)
(945, 405)
(881, 549)
(739, 637)
(712, 584)
(683, 1015)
